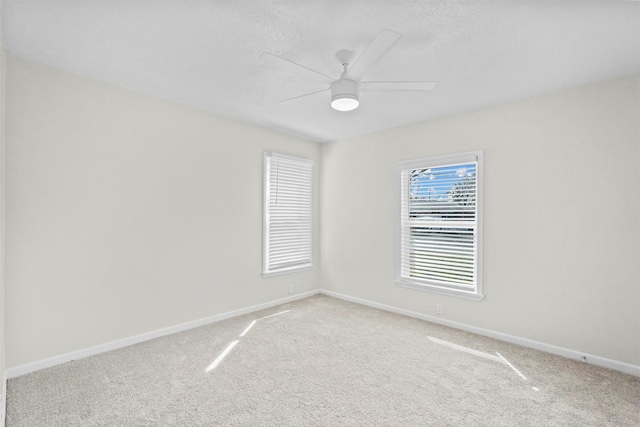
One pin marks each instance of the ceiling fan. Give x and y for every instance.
(345, 90)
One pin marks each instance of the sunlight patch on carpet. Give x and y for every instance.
(222, 355)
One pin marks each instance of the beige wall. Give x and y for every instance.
(127, 214)
(2, 216)
(561, 217)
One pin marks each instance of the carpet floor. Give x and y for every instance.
(322, 361)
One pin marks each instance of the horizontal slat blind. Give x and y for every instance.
(287, 213)
(438, 237)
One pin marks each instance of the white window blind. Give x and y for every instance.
(287, 213)
(440, 227)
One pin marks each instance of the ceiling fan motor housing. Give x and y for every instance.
(344, 95)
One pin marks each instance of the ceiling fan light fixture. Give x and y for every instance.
(345, 102)
(344, 95)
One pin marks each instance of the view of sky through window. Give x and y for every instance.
(441, 183)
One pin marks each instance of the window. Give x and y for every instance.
(440, 224)
(287, 214)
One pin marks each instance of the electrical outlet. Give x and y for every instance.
(290, 289)
(439, 309)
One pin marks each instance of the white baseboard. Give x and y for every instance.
(548, 348)
(102, 348)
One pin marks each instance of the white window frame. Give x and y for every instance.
(300, 253)
(403, 276)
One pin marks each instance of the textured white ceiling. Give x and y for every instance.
(208, 53)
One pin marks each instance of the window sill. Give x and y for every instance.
(284, 271)
(439, 290)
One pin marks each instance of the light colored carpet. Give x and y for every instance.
(324, 362)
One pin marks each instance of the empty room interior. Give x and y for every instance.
(320, 213)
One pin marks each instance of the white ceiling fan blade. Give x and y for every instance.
(372, 54)
(303, 96)
(316, 73)
(416, 86)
